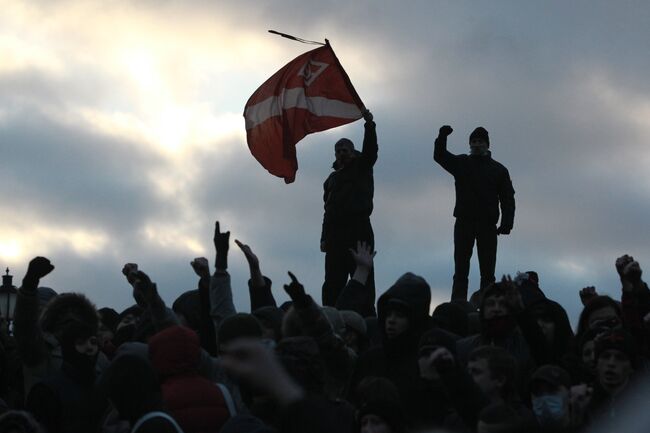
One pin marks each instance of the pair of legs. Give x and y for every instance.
(339, 264)
(465, 233)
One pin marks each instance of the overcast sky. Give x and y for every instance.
(122, 137)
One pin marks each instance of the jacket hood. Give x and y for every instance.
(189, 305)
(336, 320)
(67, 308)
(411, 292)
(175, 350)
(451, 317)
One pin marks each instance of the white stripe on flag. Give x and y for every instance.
(295, 98)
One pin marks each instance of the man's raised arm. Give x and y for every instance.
(370, 147)
(440, 153)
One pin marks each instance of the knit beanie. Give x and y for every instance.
(388, 410)
(109, 317)
(334, 317)
(435, 338)
(355, 322)
(481, 134)
(617, 339)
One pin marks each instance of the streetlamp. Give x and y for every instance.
(8, 295)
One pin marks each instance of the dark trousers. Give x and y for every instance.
(339, 264)
(465, 233)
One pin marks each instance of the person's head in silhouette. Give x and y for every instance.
(344, 152)
(479, 141)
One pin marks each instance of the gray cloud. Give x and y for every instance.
(536, 76)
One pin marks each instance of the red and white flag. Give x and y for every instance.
(311, 93)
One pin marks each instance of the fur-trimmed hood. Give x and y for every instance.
(68, 308)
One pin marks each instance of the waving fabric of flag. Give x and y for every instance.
(311, 93)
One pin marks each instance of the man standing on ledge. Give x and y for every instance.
(482, 184)
(348, 197)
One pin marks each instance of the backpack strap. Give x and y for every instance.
(151, 415)
(227, 396)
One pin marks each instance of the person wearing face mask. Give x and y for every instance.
(550, 388)
(482, 186)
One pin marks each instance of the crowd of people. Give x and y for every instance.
(505, 361)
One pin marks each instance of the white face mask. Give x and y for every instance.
(549, 408)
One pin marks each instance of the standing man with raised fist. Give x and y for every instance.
(482, 185)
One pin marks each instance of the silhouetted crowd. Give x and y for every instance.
(505, 361)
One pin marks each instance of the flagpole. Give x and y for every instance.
(297, 39)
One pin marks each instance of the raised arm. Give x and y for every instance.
(355, 295)
(147, 291)
(441, 155)
(221, 304)
(207, 333)
(370, 147)
(29, 337)
(315, 324)
(259, 287)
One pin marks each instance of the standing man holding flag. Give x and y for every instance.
(348, 197)
(309, 94)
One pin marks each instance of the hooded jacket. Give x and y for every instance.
(481, 185)
(396, 359)
(197, 404)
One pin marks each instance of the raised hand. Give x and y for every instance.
(364, 255)
(587, 294)
(201, 267)
(435, 362)
(630, 272)
(367, 115)
(39, 267)
(579, 398)
(622, 262)
(294, 289)
(251, 258)
(221, 244)
(445, 131)
(253, 363)
(129, 270)
(513, 296)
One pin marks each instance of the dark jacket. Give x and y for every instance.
(397, 359)
(348, 191)
(62, 402)
(481, 185)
